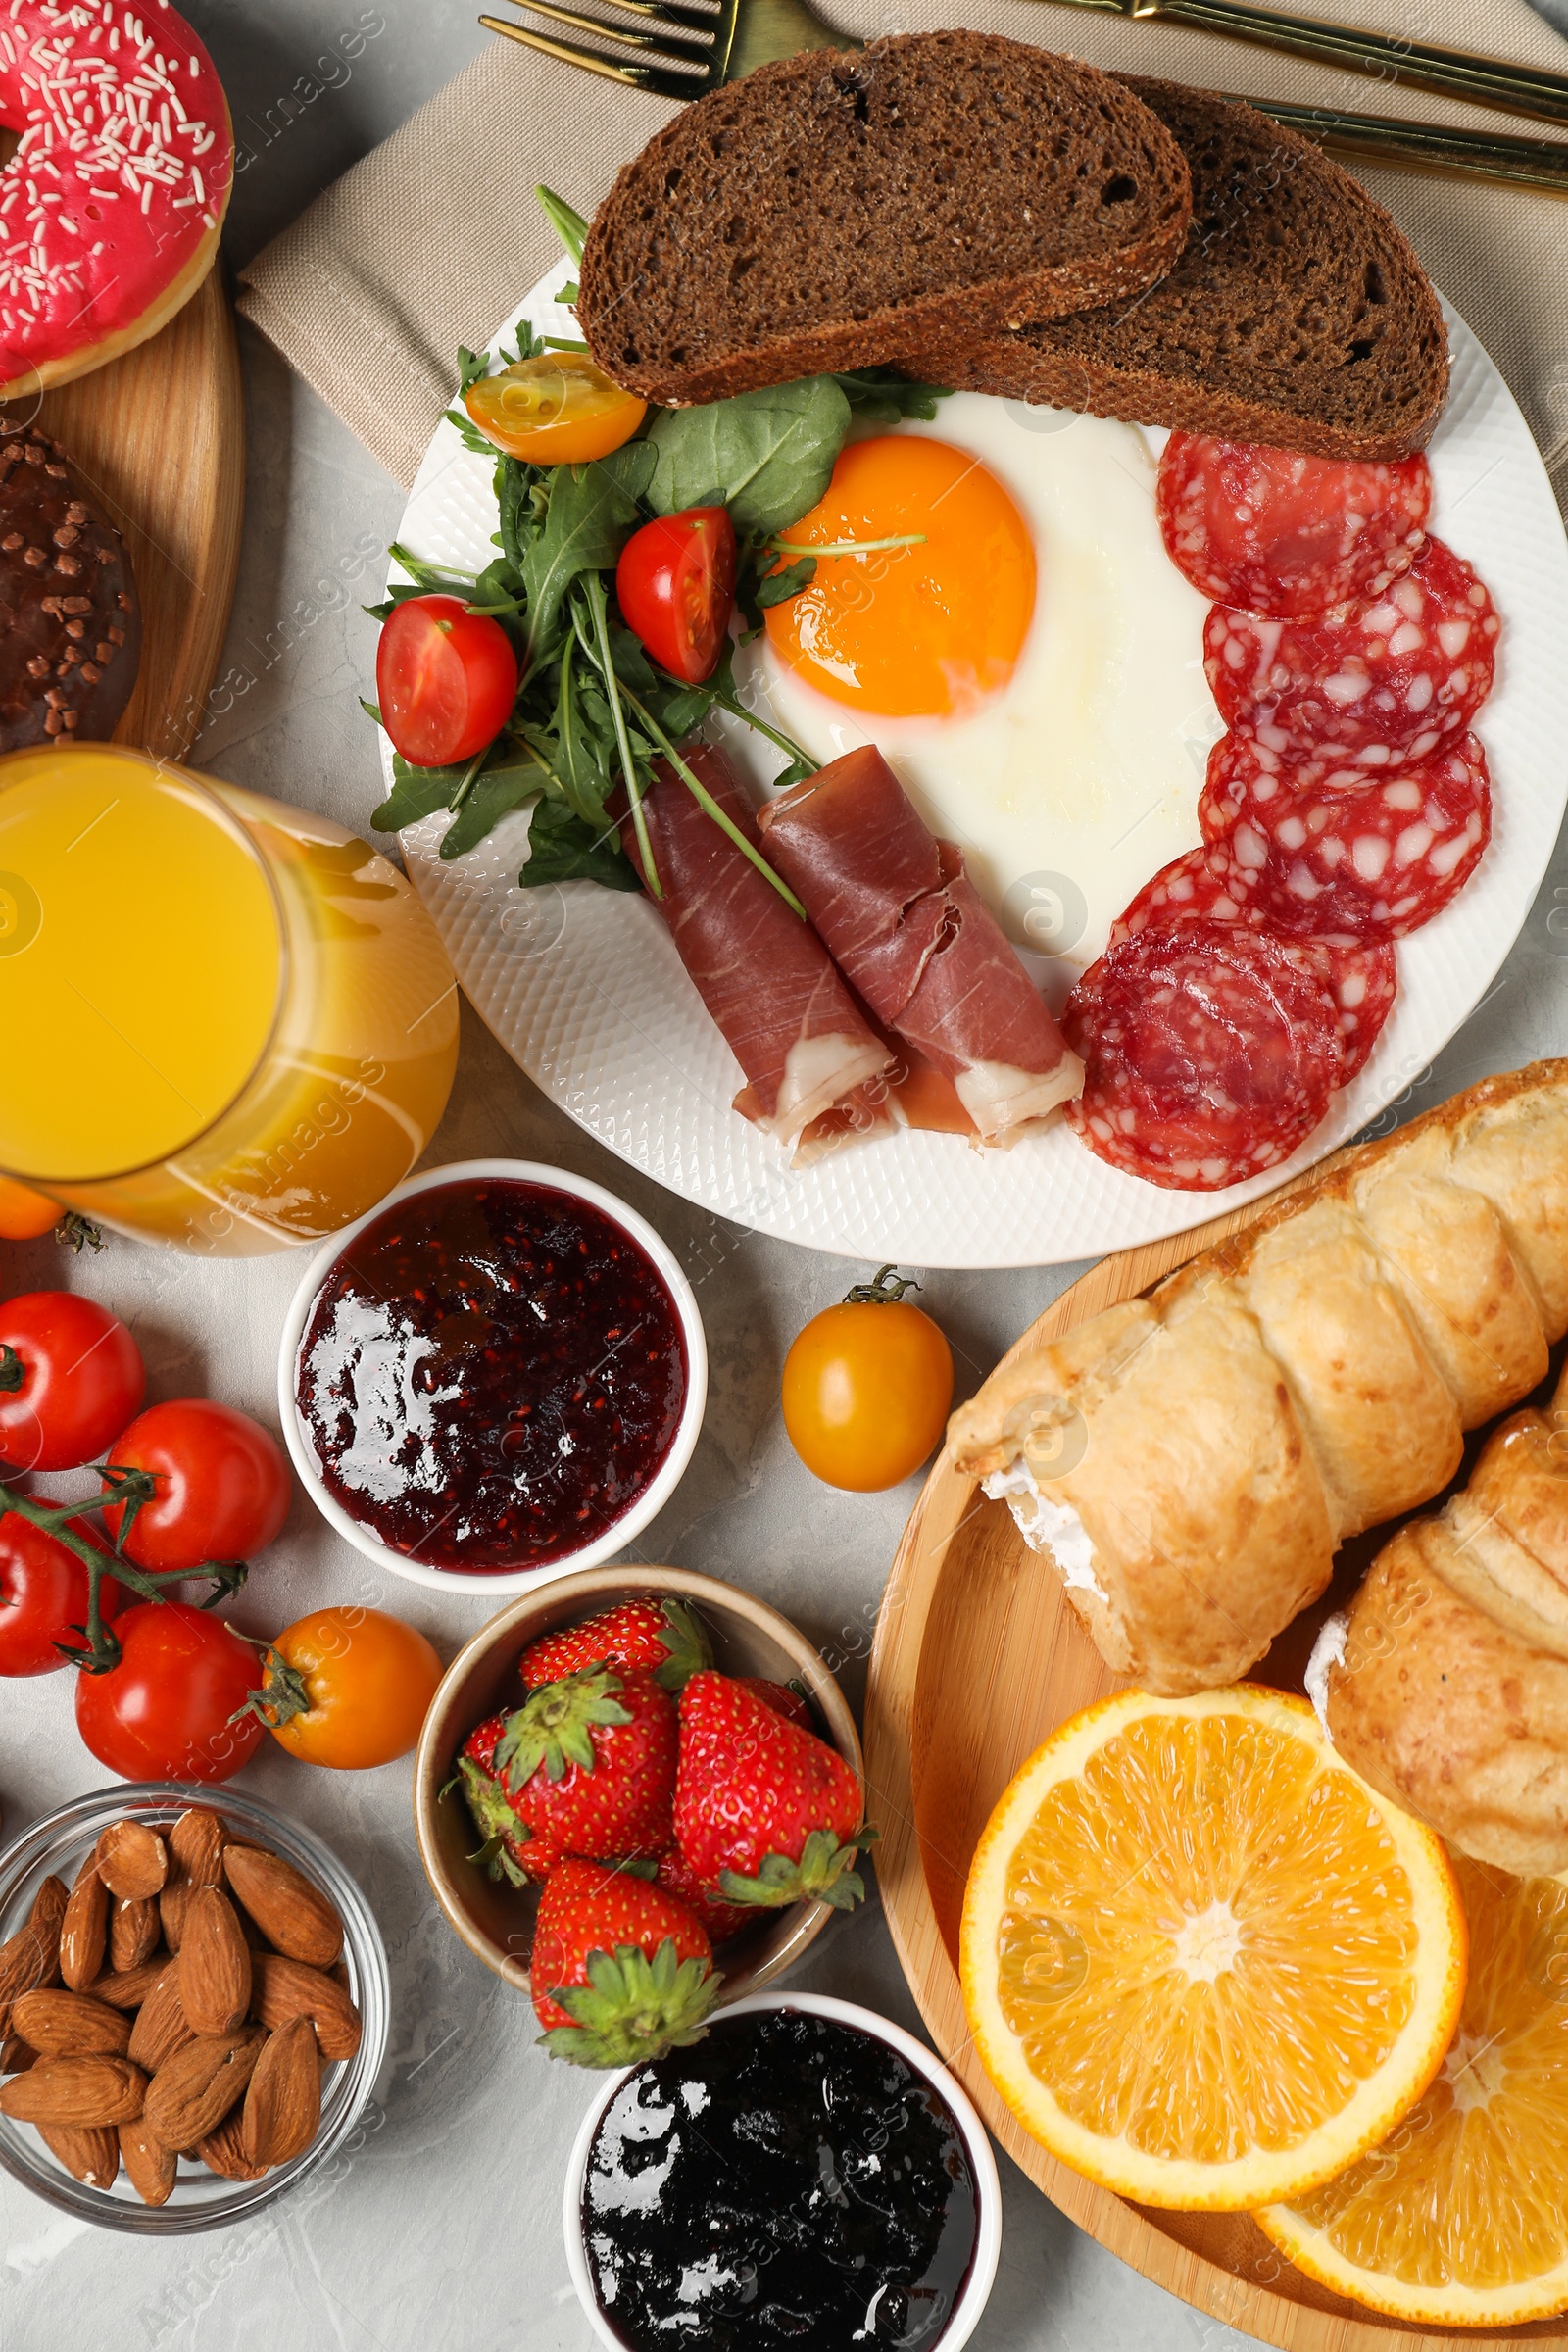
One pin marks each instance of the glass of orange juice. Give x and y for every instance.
(224, 1023)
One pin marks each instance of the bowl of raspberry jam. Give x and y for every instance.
(494, 1378)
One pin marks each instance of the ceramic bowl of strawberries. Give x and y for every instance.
(639, 1796)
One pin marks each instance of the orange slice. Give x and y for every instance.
(1200, 1958)
(1460, 2219)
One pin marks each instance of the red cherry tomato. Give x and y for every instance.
(43, 1596)
(223, 1485)
(163, 1713)
(71, 1377)
(675, 583)
(446, 680)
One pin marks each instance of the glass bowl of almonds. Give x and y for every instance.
(193, 2008)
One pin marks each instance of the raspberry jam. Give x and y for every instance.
(787, 2179)
(492, 1373)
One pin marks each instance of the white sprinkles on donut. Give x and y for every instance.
(111, 205)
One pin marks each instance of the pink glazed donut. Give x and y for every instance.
(111, 205)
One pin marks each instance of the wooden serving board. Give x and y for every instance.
(159, 437)
(978, 1656)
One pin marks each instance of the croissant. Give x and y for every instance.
(1191, 1460)
(1446, 1685)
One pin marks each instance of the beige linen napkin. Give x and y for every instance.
(434, 238)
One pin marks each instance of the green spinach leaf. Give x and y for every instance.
(778, 585)
(562, 848)
(416, 792)
(881, 396)
(767, 456)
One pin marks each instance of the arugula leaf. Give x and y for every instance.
(416, 792)
(562, 848)
(472, 364)
(882, 396)
(592, 513)
(778, 585)
(570, 227)
(490, 796)
(568, 294)
(767, 456)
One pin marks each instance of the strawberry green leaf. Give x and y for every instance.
(687, 1648)
(632, 2007)
(555, 1726)
(822, 1875)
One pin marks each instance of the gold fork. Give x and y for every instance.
(693, 48)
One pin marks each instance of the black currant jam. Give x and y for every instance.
(491, 1375)
(787, 2181)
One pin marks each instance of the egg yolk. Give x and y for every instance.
(927, 630)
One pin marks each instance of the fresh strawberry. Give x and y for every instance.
(721, 1920)
(659, 1635)
(764, 1812)
(589, 1763)
(783, 1698)
(510, 1849)
(621, 1971)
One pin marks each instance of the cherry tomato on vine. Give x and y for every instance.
(163, 1713)
(446, 680)
(43, 1594)
(557, 409)
(866, 1388)
(223, 1485)
(676, 584)
(71, 1377)
(348, 1687)
(26, 1215)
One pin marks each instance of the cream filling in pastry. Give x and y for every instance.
(1327, 1650)
(1047, 1526)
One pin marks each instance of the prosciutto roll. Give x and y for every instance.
(912, 934)
(770, 985)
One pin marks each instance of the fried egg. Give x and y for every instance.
(1031, 665)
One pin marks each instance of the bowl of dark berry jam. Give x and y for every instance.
(808, 2173)
(496, 1376)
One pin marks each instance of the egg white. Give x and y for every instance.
(1079, 779)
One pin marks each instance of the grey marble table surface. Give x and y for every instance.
(443, 2234)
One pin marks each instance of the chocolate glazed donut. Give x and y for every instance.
(69, 621)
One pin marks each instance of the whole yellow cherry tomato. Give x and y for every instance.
(24, 1213)
(348, 1687)
(866, 1387)
(557, 409)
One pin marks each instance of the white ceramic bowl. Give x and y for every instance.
(655, 1494)
(982, 2163)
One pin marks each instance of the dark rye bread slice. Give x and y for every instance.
(834, 210)
(1297, 313)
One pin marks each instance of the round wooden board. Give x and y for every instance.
(159, 437)
(977, 1658)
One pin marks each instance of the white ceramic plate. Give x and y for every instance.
(584, 989)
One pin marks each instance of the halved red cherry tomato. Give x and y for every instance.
(555, 409)
(43, 1594)
(164, 1712)
(675, 582)
(70, 1378)
(446, 680)
(223, 1485)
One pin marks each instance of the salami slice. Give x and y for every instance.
(1288, 537)
(1374, 685)
(1205, 885)
(1210, 1054)
(1376, 863)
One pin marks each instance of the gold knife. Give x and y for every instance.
(1383, 57)
(1392, 139)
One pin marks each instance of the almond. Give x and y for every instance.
(214, 1963)
(129, 1987)
(31, 1956)
(88, 2152)
(291, 1912)
(133, 1931)
(70, 2025)
(150, 2167)
(195, 1859)
(47, 1913)
(14, 2055)
(132, 1859)
(191, 2092)
(224, 2151)
(284, 1988)
(84, 1929)
(283, 2104)
(162, 2027)
(76, 2090)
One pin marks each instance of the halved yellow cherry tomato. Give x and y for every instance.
(347, 1688)
(866, 1388)
(557, 409)
(24, 1213)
